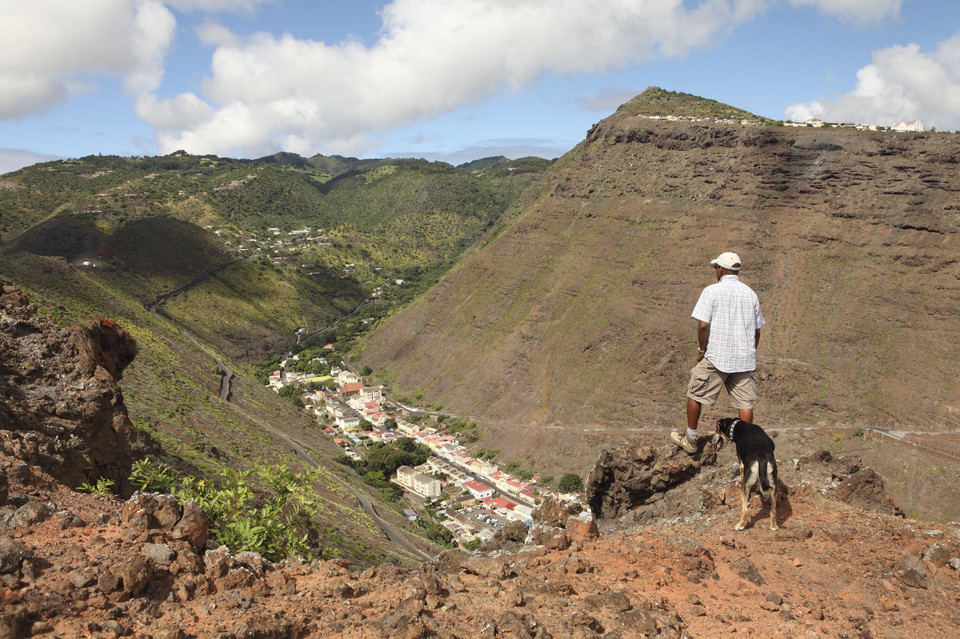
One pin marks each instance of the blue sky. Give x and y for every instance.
(451, 80)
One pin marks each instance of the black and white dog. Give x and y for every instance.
(758, 465)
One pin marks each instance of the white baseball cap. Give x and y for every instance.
(729, 261)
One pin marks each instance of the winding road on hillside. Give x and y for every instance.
(226, 375)
(152, 305)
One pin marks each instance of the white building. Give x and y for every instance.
(479, 490)
(346, 377)
(372, 393)
(909, 125)
(418, 482)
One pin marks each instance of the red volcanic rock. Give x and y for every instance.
(61, 408)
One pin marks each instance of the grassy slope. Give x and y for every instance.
(105, 236)
(171, 393)
(656, 101)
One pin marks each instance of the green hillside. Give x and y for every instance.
(335, 229)
(212, 262)
(655, 101)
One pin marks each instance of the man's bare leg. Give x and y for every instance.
(693, 413)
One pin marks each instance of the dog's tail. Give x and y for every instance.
(768, 475)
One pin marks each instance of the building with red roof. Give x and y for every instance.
(479, 489)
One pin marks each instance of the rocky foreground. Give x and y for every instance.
(77, 565)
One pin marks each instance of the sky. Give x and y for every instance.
(449, 80)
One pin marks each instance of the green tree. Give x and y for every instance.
(570, 483)
(293, 392)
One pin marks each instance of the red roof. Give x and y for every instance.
(503, 503)
(353, 387)
(476, 486)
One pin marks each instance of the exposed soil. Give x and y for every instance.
(652, 551)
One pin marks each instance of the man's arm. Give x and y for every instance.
(756, 338)
(703, 336)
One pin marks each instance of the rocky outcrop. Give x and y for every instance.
(865, 488)
(73, 564)
(61, 407)
(624, 479)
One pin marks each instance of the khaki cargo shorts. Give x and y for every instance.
(706, 382)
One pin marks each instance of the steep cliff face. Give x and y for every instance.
(578, 314)
(61, 407)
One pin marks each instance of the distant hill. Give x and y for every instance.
(148, 221)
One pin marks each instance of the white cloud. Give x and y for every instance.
(855, 11)
(214, 34)
(217, 6)
(51, 48)
(269, 92)
(902, 83)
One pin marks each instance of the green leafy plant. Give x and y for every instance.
(473, 544)
(275, 519)
(103, 486)
(149, 476)
(836, 443)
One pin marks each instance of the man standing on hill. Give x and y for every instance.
(728, 332)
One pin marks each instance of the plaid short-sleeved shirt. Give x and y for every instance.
(732, 310)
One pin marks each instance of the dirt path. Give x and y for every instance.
(160, 300)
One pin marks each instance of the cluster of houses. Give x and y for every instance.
(348, 402)
(473, 484)
(282, 246)
(691, 118)
(908, 125)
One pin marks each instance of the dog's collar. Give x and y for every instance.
(733, 425)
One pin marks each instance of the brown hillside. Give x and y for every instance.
(577, 316)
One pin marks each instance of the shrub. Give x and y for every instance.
(103, 486)
(570, 483)
(276, 523)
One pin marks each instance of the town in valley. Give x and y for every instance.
(471, 497)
